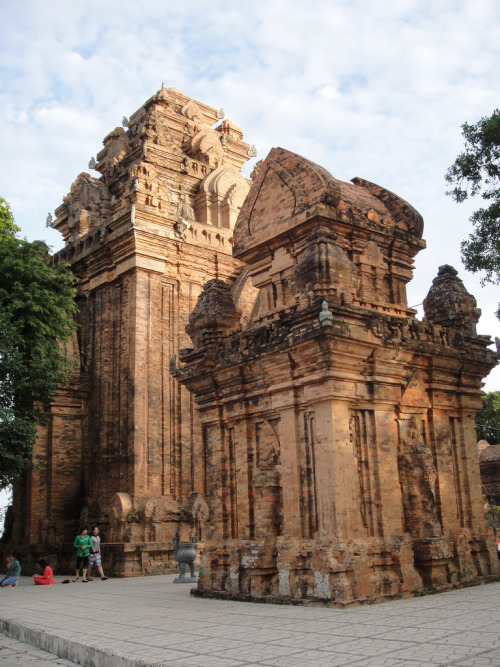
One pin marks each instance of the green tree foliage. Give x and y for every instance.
(488, 420)
(36, 307)
(476, 171)
(7, 219)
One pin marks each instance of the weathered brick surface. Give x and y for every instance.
(330, 463)
(339, 461)
(123, 448)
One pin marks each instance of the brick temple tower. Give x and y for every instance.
(122, 447)
(338, 440)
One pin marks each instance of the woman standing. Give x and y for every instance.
(83, 545)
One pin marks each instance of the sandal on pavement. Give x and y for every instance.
(104, 578)
(84, 581)
(75, 579)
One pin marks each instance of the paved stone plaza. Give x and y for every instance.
(151, 621)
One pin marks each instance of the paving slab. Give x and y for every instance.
(152, 622)
(14, 653)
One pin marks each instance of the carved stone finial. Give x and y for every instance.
(252, 151)
(325, 315)
(214, 316)
(92, 163)
(221, 114)
(125, 121)
(49, 220)
(449, 304)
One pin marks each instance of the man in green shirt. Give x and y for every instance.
(83, 545)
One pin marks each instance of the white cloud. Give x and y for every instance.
(373, 88)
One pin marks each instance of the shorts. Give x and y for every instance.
(95, 559)
(82, 560)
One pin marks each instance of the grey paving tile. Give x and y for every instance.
(472, 638)
(149, 619)
(387, 661)
(209, 661)
(436, 654)
(14, 652)
(309, 658)
(486, 659)
(370, 646)
(418, 634)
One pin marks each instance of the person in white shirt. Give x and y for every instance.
(95, 555)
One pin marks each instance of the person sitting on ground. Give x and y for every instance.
(13, 572)
(83, 544)
(47, 578)
(95, 555)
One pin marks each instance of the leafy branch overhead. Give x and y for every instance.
(36, 308)
(488, 419)
(476, 172)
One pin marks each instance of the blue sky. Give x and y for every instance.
(369, 88)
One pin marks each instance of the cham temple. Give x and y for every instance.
(248, 372)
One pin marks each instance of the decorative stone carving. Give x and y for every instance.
(325, 315)
(185, 214)
(192, 112)
(323, 268)
(340, 462)
(230, 131)
(214, 316)
(373, 271)
(449, 304)
(333, 464)
(84, 210)
(121, 426)
(116, 146)
(221, 196)
(206, 147)
(418, 480)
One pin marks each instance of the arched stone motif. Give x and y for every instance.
(121, 505)
(294, 184)
(206, 147)
(221, 196)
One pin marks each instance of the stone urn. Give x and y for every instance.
(185, 554)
